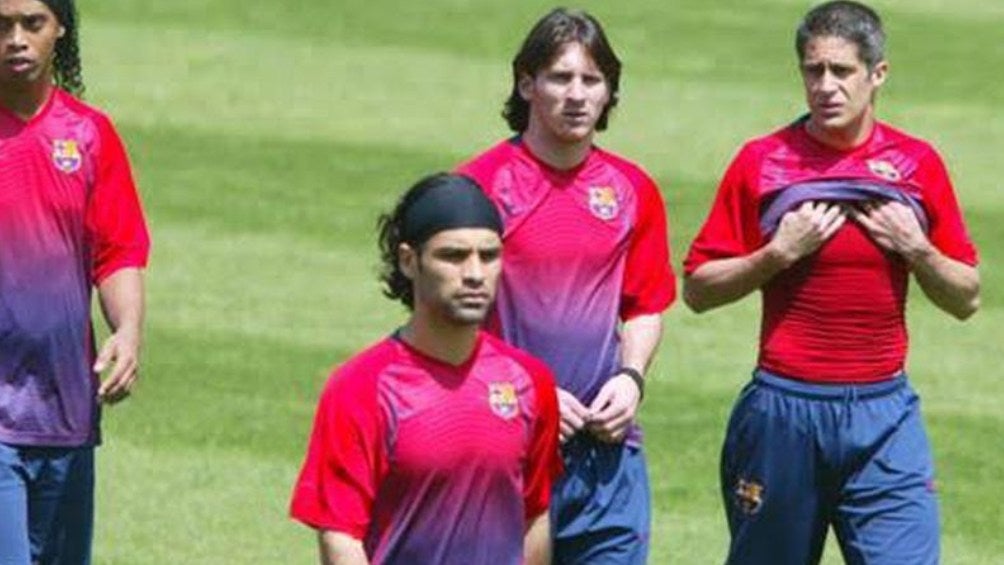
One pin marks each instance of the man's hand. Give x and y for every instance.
(802, 231)
(121, 352)
(614, 408)
(574, 416)
(894, 227)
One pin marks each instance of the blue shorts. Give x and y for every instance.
(801, 457)
(600, 507)
(46, 505)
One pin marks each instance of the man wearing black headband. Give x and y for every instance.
(438, 444)
(828, 217)
(70, 221)
(587, 277)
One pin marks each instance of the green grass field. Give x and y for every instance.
(267, 136)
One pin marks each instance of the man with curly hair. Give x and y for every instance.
(70, 221)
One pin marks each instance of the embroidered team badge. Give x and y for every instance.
(66, 155)
(603, 202)
(749, 496)
(502, 399)
(884, 169)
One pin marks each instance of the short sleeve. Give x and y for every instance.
(345, 460)
(948, 230)
(649, 281)
(116, 228)
(731, 228)
(543, 463)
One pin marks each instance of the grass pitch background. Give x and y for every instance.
(267, 137)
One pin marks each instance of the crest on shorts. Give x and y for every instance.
(502, 399)
(66, 155)
(884, 169)
(603, 202)
(749, 496)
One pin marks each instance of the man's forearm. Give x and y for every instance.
(337, 548)
(122, 300)
(640, 338)
(723, 281)
(951, 285)
(537, 541)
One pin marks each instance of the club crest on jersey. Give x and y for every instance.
(749, 496)
(66, 155)
(884, 169)
(502, 399)
(603, 202)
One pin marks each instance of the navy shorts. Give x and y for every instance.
(46, 505)
(800, 457)
(600, 507)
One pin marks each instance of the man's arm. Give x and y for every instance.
(338, 548)
(801, 232)
(616, 405)
(537, 541)
(951, 285)
(122, 301)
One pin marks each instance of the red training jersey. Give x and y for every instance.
(584, 249)
(838, 314)
(69, 217)
(428, 462)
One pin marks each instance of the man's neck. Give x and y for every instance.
(844, 139)
(557, 154)
(27, 101)
(447, 342)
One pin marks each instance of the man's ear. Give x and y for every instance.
(525, 86)
(407, 260)
(879, 74)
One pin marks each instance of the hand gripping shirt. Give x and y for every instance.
(583, 250)
(838, 314)
(69, 217)
(427, 462)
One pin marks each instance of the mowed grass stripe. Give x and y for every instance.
(160, 504)
(432, 101)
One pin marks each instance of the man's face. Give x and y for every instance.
(839, 88)
(454, 274)
(566, 97)
(28, 34)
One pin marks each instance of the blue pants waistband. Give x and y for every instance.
(830, 391)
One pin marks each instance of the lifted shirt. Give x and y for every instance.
(838, 314)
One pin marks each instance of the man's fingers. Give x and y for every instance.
(833, 225)
(572, 420)
(105, 356)
(565, 432)
(118, 383)
(601, 402)
(608, 413)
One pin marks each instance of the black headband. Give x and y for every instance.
(451, 202)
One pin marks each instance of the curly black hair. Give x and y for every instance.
(66, 64)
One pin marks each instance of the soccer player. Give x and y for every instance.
(828, 217)
(70, 220)
(587, 277)
(439, 444)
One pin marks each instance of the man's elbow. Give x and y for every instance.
(694, 297)
(967, 310)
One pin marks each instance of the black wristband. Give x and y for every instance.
(635, 375)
